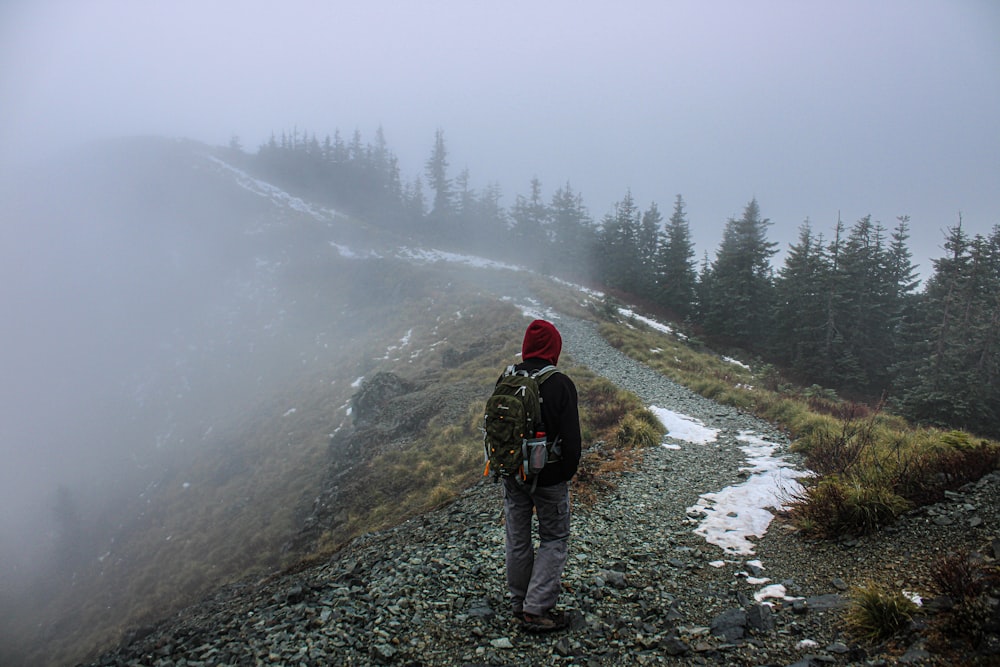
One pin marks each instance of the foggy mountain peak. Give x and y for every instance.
(174, 326)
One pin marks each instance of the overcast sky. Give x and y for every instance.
(886, 108)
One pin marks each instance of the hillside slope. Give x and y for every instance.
(641, 585)
(182, 341)
(205, 338)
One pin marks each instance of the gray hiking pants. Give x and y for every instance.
(534, 578)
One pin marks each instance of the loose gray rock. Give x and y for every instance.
(730, 625)
(760, 618)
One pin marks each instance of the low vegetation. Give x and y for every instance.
(870, 465)
(444, 456)
(877, 613)
(970, 588)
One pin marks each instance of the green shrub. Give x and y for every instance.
(959, 577)
(639, 429)
(871, 465)
(957, 439)
(877, 613)
(835, 506)
(869, 507)
(785, 411)
(819, 507)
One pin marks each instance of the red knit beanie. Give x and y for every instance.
(541, 341)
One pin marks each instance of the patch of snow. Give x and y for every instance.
(290, 411)
(357, 383)
(533, 309)
(431, 256)
(682, 427)
(652, 324)
(403, 342)
(736, 513)
(773, 592)
(737, 362)
(275, 194)
(349, 253)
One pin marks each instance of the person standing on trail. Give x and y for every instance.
(534, 578)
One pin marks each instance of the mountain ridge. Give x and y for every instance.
(641, 586)
(298, 269)
(215, 433)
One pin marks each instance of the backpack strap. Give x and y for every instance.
(543, 374)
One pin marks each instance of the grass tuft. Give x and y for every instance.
(877, 613)
(639, 429)
(960, 577)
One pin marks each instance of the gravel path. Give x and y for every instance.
(641, 586)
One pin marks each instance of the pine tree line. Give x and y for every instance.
(842, 312)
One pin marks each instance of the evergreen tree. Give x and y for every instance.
(863, 304)
(489, 209)
(380, 155)
(465, 200)
(340, 153)
(356, 149)
(902, 282)
(739, 286)
(836, 365)
(675, 272)
(648, 243)
(800, 307)
(393, 184)
(438, 181)
(702, 287)
(619, 247)
(573, 234)
(492, 226)
(414, 203)
(529, 217)
(951, 377)
(875, 283)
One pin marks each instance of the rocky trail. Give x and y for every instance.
(642, 587)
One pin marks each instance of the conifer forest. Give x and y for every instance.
(845, 311)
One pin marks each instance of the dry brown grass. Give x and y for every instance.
(871, 465)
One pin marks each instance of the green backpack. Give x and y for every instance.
(514, 439)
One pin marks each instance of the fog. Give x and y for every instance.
(818, 110)
(114, 293)
(143, 309)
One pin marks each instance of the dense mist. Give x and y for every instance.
(145, 305)
(182, 342)
(165, 316)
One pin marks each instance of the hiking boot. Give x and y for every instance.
(550, 621)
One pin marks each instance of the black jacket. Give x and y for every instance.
(561, 416)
